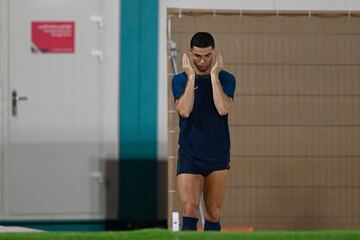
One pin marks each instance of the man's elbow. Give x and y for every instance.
(184, 114)
(182, 110)
(223, 112)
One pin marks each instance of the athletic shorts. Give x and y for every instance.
(189, 164)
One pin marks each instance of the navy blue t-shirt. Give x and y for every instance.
(205, 134)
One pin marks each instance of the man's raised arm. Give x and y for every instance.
(185, 103)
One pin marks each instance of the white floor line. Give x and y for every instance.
(17, 229)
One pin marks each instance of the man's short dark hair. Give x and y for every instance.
(202, 40)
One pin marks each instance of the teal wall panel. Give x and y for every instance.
(138, 110)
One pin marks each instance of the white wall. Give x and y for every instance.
(258, 5)
(111, 29)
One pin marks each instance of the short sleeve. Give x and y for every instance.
(228, 83)
(178, 85)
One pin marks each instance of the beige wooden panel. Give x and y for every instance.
(295, 80)
(295, 125)
(286, 48)
(172, 146)
(297, 141)
(286, 203)
(296, 111)
(295, 172)
(173, 119)
(295, 224)
(264, 25)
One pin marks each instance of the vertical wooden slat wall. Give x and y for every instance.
(295, 127)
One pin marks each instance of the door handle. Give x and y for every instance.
(15, 100)
(98, 175)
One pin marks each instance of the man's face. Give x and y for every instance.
(202, 58)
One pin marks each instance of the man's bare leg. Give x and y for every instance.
(190, 187)
(214, 193)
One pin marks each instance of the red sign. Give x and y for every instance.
(52, 37)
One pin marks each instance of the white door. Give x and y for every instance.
(52, 155)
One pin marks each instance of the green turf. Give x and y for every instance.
(152, 234)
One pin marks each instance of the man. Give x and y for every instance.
(203, 96)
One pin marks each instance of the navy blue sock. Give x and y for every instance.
(212, 226)
(189, 224)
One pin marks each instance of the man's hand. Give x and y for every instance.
(218, 66)
(187, 66)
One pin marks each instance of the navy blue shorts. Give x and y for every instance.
(189, 164)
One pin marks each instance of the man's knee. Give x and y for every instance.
(213, 213)
(191, 209)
